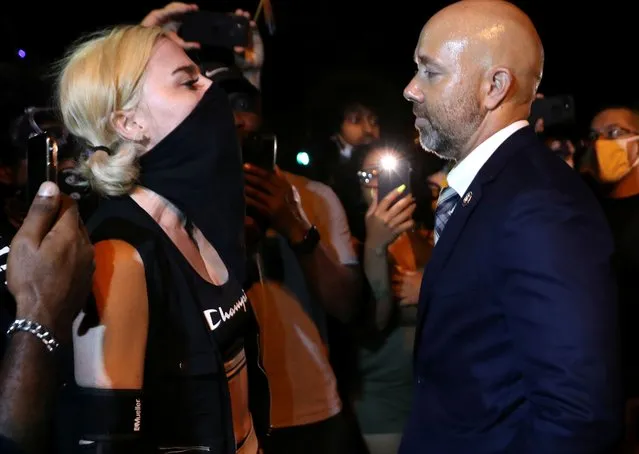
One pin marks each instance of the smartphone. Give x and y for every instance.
(261, 151)
(215, 29)
(389, 179)
(554, 110)
(42, 163)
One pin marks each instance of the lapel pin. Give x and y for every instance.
(467, 198)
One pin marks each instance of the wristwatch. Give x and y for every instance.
(308, 244)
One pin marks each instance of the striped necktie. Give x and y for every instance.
(448, 198)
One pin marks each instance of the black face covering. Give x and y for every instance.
(198, 167)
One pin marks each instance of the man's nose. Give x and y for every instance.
(412, 92)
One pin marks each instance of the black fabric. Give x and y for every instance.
(623, 216)
(198, 167)
(185, 392)
(226, 310)
(119, 418)
(7, 446)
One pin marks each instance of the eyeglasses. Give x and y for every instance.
(611, 133)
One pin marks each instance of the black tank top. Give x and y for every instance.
(194, 327)
(225, 307)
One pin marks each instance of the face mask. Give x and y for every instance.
(198, 168)
(612, 157)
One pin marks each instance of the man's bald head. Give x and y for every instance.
(481, 61)
(489, 34)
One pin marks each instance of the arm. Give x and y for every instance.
(559, 301)
(49, 274)
(377, 273)
(384, 223)
(331, 270)
(28, 383)
(334, 284)
(111, 354)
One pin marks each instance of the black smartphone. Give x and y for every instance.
(554, 110)
(261, 151)
(392, 175)
(215, 29)
(42, 163)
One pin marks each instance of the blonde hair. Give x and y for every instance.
(99, 77)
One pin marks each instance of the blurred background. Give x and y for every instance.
(589, 49)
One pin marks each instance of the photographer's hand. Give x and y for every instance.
(169, 19)
(276, 199)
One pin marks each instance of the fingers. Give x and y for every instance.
(400, 208)
(159, 17)
(68, 225)
(256, 196)
(387, 201)
(261, 184)
(266, 181)
(403, 216)
(404, 227)
(255, 170)
(260, 206)
(42, 214)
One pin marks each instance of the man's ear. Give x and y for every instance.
(127, 125)
(497, 83)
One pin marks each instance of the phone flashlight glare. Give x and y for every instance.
(388, 162)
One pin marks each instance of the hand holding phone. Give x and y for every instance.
(553, 110)
(389, 218)
(393, 173)
(261, 151)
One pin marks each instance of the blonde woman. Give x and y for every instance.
(159, 355)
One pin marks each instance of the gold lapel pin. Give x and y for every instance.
(467, 198)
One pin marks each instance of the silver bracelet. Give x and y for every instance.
(37, 330)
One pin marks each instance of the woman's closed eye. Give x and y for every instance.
(192, 82)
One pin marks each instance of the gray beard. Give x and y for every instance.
(434, 142)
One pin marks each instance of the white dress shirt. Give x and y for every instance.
(465, 171)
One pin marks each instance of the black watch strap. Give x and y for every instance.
(309, 243)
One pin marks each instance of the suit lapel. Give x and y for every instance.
(463, 210)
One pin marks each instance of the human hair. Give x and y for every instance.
(99, 76)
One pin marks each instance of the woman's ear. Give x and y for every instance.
(128, 125)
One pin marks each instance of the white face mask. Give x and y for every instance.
(612, 156)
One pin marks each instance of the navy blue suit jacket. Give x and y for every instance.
(516, 339)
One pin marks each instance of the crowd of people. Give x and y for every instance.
(190, 300)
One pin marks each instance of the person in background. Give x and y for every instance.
(516, 337)
(304, 267)
(613, 162)
(394, 255)
(49, 274)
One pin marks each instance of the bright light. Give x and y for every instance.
(21, 53)
(303, 158)
(388, 162)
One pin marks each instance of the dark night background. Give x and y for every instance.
(590, 50)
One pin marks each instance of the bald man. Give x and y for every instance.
(515, 349)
